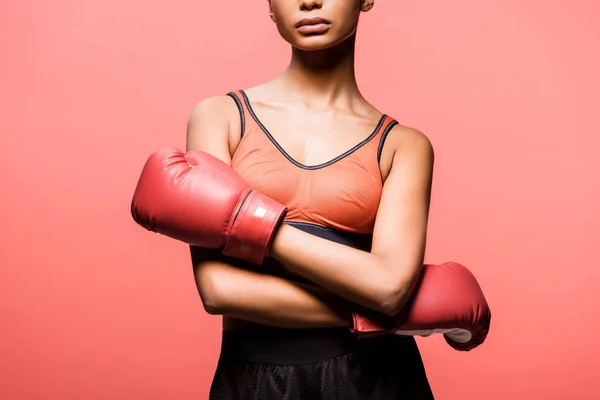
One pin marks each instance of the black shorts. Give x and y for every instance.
(319, 364)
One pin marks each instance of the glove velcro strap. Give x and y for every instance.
(252, 227)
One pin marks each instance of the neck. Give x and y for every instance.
(326, 77)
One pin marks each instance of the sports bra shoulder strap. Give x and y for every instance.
(384, 130)
(238, 97)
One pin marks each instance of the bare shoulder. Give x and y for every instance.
(406, 144)
(214, 121)
(213, 108)
(413, 141)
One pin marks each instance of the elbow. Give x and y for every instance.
(211, 294)
(395, 290)
(392, 305)
(392, 299)
(212, 306)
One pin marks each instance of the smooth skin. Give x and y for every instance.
(316, 112)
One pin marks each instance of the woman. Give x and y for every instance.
(299, 296)
(357, 187)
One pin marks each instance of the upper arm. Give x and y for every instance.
(209, 127)
(209, 130)
(401, 225)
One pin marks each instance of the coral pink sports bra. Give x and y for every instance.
(341, 194)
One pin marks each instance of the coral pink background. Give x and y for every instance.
(94, 307)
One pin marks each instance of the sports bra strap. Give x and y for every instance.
(243, 109)
(385, 129)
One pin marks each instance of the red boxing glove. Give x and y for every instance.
(198, 199)
(447, 300)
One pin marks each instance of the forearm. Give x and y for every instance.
(358, 276)
(270, 300)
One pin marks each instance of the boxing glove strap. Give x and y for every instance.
(252, 227)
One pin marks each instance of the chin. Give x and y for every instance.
(316, 42)
(313, 45)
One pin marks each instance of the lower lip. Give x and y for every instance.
(313, 29)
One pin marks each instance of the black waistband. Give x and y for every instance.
(293, 347)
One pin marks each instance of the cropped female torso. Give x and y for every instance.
(329, 175)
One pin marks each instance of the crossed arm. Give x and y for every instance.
(263, 298)
(380, 280)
